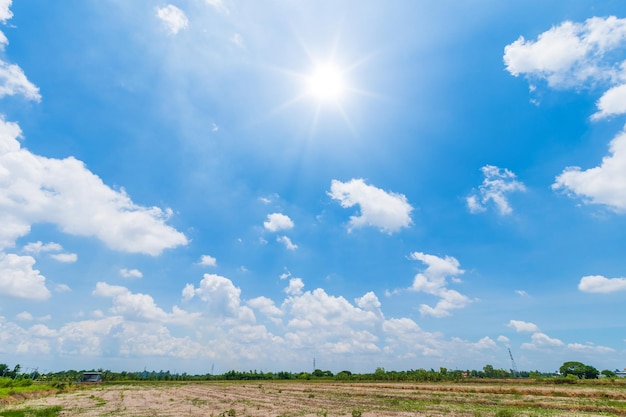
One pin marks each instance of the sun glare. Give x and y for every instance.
(326, 83)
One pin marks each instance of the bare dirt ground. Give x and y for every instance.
(308, 399)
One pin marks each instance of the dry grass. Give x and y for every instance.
(255, 399)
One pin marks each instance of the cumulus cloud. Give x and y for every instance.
(130, 273)
(495, 187)
(612, 102)
(287, 242)
(208, 260)
(600, 284)
(36, 189)
(384, 210)
(173, 18)
(13, 82)
(570, 54)
(523, 326)
(19, 279)
(434, 280)
(137, 306)
(5, 10)
(221, 296)
(541, 340)
(295, 286)
(604, 184)
(267, 307)
(278, 221)
(339, 327)
(579, 55)
(25, 315)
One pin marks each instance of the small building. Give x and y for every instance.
(91, 377)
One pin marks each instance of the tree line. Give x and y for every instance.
(569, 370)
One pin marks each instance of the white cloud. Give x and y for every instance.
(295, 286)
(208, 260)
(600, 284)
(339, 327)
(570, 54)
(130, 273)
(612, 102)
(541, 340)
(521, 293)
(387, 211)
(278, 221)
(485, 343)
(370, 302)
(19, 279)
(221, 296)
(523, 326)
(13, 81)
(267, 307)
(434, 280)
(495, 187)
(38, 247)
(237, 40)
(36, 189)
(503, 339)
(25, 315)
(287, 242)
(174, 18)
(137, 306)
(218, 5)
(5, 10)
(61, 288)
(590, 348)
(604, 184)
(67, 258)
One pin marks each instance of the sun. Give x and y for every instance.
(326, 83)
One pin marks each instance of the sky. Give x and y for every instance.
(206, 185)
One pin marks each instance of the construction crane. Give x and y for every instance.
(514, 370)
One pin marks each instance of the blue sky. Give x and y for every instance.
(202, 185)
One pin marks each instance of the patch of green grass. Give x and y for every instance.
(99, 401)
(198, 402)
(505, 412)
(32, 412)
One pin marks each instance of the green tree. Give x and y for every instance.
(579, 369)
(609, 374)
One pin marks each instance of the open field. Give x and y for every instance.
(308, 398)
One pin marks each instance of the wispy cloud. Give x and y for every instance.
(498, 183)
(131, 273)
(67, 258)
(287, 242)
(174, 18)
